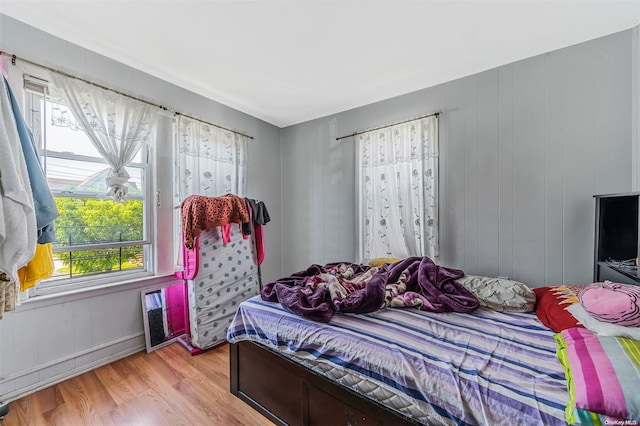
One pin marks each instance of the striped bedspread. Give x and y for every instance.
(484, 368)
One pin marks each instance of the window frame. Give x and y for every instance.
(360, 208)
(36, 89)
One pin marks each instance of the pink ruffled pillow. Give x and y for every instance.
(612, 302)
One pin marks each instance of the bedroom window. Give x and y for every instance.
(99, 241)
(209, 161)
(398, 190)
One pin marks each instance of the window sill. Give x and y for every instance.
(41, 301)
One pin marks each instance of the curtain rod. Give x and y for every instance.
(13, 62)
(388, 125)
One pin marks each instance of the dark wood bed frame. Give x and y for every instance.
(290, 394)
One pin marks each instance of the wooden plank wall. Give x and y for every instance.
(523, 149)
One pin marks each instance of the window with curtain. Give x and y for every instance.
(210, 161)
(398, 190)
(94, 146)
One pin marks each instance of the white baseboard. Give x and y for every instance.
(23, 383)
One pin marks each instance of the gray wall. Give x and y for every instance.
(524, 148)
(49, 339)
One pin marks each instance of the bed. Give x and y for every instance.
(398, 366)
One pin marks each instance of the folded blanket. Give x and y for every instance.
(603, 374)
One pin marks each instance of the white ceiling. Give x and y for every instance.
(290, 61)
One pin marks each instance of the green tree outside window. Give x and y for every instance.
(95, 221)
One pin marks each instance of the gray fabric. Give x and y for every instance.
(500, 294)
(44, 204)
(260, 213)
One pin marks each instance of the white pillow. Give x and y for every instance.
(602, 328)
(500, 294)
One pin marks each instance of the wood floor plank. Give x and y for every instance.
(27, 411)
(97, 392)
(117, 386)
(69, 416)
(152, 409)
(49, 398)
(166, 387)
(161, 377)
(127, 370)
(78, 404)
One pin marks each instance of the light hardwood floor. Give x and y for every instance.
(165, 387)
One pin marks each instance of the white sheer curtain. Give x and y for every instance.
(210, 161)
(398, 184)
(116, 125)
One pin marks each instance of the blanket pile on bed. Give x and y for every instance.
(319, 291)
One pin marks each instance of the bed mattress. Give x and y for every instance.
(448, 368)
(227, 275)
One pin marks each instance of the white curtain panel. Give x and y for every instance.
(116, 125)
(210, 161)
(398, 190)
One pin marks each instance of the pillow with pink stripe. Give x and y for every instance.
(603, 373)
(612, 302)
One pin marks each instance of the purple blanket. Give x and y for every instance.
(319, 291)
